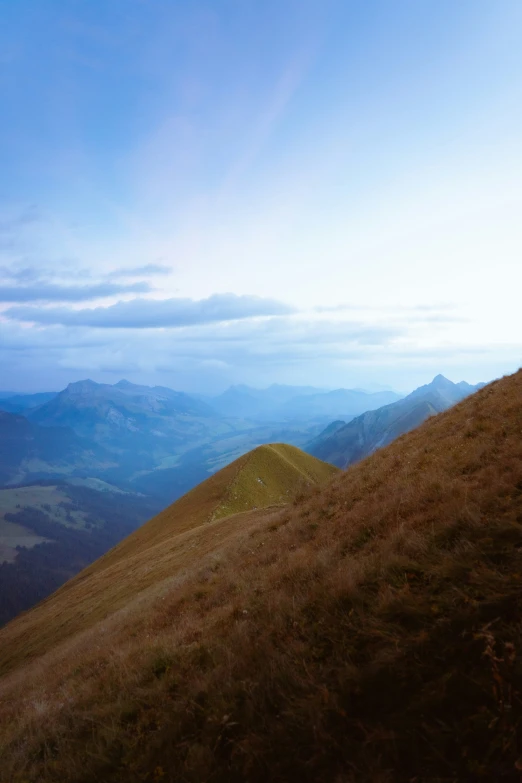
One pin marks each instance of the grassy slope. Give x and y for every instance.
(369, 632)
(173, 540)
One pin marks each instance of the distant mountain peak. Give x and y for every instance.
(81, 386)
(124, 384)
(441, 380)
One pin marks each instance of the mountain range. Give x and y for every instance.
(287, 621)
(281, 403)
(159, 441)
(342, 443)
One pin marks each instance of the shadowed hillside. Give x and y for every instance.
(29, 452)
(370, 631)
(51, 530)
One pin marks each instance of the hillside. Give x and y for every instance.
(51, 530)
(271, 475)
(342, 446)
(370, 631)
(29, 452)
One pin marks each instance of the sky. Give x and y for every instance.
(195, 194)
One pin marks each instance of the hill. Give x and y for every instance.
(377, 428)
(369, 631)
(271, 475)
(29, 452)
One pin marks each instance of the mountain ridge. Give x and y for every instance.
(270, 475)
(375, 429)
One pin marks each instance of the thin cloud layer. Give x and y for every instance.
(147, 270)
(149, 313)
(55, 292)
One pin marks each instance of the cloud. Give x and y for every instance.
(150, 313)
(141, 271)
(54, 292)
(292, 349)
(31, 214)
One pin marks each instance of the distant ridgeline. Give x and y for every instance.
(343, 444)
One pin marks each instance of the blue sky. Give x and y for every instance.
(301, 191)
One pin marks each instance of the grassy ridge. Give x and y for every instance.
(370, 631)
(174, 540)
(271, 474)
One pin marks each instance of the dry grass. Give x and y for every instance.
(370, 632)
(172, 542)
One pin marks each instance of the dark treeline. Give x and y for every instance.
(39, 571)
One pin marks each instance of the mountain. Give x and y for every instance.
(446, 391)
(283, 403)
(367, 631)
(21, 403)
(374, 429)
(328, 432)
(99, 409)
(29, 452)
(247, 402)
(271, 475)
(340, 403)
(142, 425)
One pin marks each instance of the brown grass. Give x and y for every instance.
(164, 548)
(370, 632)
